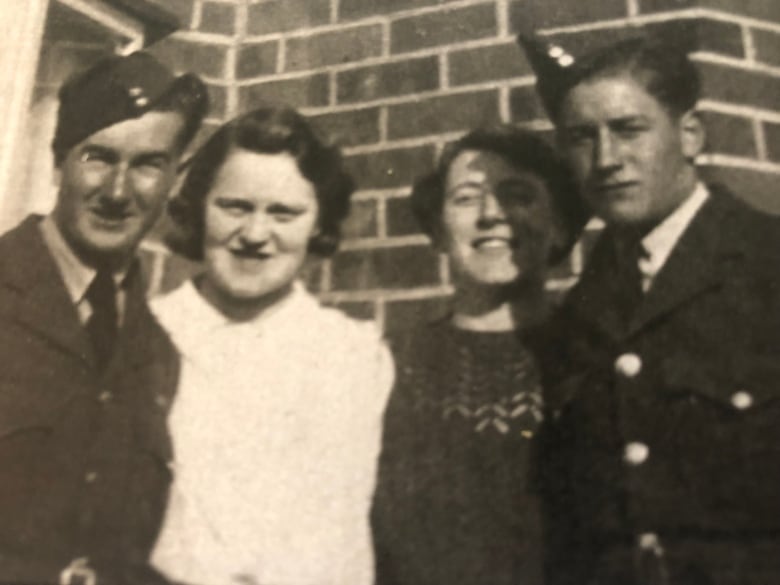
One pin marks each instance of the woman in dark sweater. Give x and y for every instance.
(455, 501)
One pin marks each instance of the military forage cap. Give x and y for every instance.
(554, 68)
(120, 88)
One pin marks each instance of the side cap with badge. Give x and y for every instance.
(120, 88)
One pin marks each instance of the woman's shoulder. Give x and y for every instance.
(421, 340)
(168, 306)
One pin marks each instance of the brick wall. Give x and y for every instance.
(393, 80)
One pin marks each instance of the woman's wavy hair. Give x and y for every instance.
(266, 130)
(523, 150)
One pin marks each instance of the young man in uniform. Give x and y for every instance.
(664, 431)
(87, 375)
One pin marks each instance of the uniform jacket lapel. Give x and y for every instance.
(698, 262)
(42, 302)
(592, 299)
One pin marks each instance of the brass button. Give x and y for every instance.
(648, 541)
(628, 365)
(135, 91)
(636, 453)
(742, 400)
(91, 477)
(105, 396)
(141, 102)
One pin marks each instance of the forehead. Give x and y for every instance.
(609, 97)
(483, 166)
(152, 132)
(254, 174)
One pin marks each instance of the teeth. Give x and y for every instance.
(493, 243)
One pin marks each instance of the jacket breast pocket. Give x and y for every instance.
(27, 444)
(725, 418)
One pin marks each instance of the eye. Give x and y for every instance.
(630, 128)
(285, 213)
(579, 136)
(466, 197)
(97, 156)
(517, 193)
(234, 206)
(153, 163)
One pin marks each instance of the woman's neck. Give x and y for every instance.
(498, 308)
(238, 309)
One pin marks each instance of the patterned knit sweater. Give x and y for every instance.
(455, 502)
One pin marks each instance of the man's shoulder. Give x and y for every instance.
(744, 228)
(21, 248)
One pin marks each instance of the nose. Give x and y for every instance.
(118, 188)
(607, 151)
(256, 229)
(490, 211)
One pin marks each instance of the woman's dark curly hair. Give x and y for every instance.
(524, 150)
(266, 130)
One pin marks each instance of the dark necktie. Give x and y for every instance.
(103, 323)
(628, 277)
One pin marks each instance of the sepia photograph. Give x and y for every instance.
(390, 292)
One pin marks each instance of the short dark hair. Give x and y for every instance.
(189, 98)
(267, 130)
(663, 69)
(523, 149)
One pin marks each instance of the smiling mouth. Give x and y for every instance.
(111, 216)
(493, 243)
(244, 254)
(615, 187)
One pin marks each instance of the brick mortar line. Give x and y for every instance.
(624, 22)
(204, 38)
(737, 162)
(672, 15)
(380, 314)
(335, 7)
(326, 275)
(197, 14)
(739, 110)
(556, 284)
(388, 294)
(744, 65)
(502, 18)
(722, 16)
(761, 145)
(748, 43)
(428, 140)
(381, 218)
(376, 194)
(75, 45)
(384, 243)
(509, 83)
(396, 57)
(387, 18)
(445, 270)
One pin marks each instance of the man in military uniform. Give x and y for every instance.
(86, 374)
(663, 448)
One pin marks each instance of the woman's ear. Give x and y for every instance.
(692, 134)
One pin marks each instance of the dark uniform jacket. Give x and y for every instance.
(83, 455)
(663, 450)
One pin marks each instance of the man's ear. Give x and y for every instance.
(692, 134)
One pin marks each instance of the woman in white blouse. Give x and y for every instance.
(276, 425)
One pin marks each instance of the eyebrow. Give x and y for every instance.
(616, 120)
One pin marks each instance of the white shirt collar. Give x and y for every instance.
(660, 242)
(75, 274)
